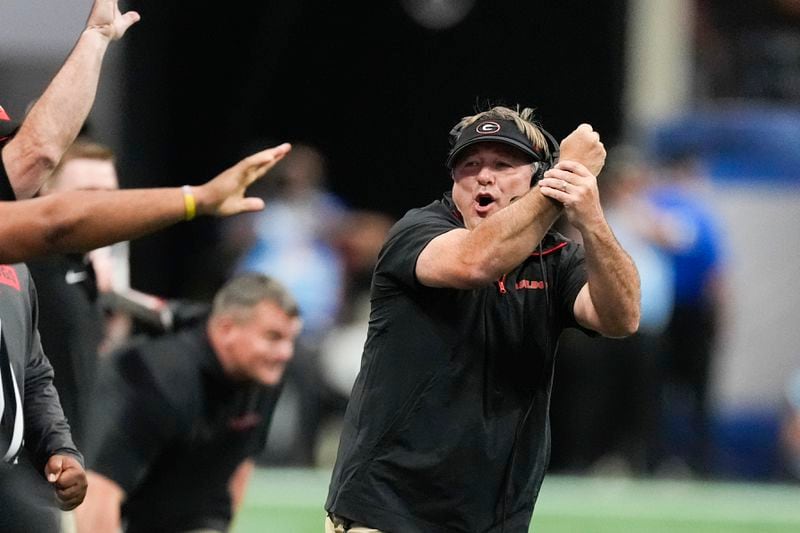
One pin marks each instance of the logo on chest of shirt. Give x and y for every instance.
(530, 284)
(245, 422)
(8, 276)
(75, 276)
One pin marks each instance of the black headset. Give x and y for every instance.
(551, 160)
(541, 166)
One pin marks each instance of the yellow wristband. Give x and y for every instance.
(189, 203)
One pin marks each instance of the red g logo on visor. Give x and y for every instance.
(488, 127)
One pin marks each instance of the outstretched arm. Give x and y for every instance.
(57, 116)
(609, 302)
(84, 220)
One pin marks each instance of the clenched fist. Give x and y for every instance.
(68, 478)
(583, 145)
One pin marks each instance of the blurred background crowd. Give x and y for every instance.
(698, 102)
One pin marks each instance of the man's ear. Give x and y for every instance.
(220, 328)
(538, 169)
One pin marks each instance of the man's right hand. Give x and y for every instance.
(583, 145)
(68, 478)
(109, 21)
(225, 194)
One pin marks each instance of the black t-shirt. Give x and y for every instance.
(448, 378)
(170, 428)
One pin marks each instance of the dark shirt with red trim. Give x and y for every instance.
(447, 428)
(170, 428)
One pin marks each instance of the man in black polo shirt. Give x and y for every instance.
(447, 426)
(177, 420)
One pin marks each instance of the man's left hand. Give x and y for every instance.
(575, 187)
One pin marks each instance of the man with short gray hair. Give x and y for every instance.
(177, 420)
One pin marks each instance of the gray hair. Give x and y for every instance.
(244, 292)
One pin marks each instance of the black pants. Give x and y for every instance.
(27, 501)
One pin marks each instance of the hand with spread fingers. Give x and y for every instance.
(575, 187)
(225, 194)
(56, 117)
(107, 18)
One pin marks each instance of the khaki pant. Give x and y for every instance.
(337, 526)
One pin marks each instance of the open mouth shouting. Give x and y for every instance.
(484, 202)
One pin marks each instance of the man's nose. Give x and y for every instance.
(485, 176)
(286, 351)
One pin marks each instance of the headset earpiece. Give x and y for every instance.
(549, 162)
(454, 133)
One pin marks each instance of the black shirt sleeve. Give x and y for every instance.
(407, 239)
(6, 191)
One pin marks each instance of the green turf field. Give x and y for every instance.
(290, 501)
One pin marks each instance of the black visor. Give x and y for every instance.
(502, 131)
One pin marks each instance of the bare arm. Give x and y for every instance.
(57, 116)
(100, 511)
(84, 220)
(609, 303)
(238, 483)
(466, 259)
